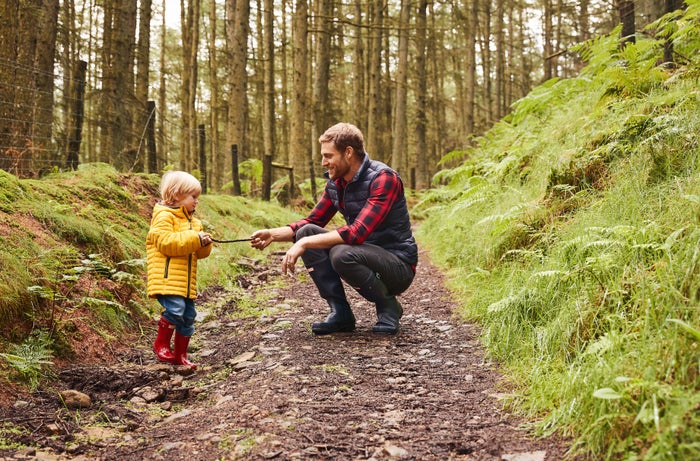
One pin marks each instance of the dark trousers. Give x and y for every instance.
(356, 264)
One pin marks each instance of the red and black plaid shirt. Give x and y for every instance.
(383, 192)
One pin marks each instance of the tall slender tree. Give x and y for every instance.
(215, 174)
(400, 131)
(237, 32)
(143, 57)
(298, 137)
(421, 86)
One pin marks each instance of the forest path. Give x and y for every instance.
(267, 388)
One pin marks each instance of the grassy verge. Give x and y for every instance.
(72, 252)
(571, 233)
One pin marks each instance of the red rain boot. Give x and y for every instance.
(181, 343)
(161, 346)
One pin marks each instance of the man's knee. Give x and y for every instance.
(342, 257)
(308, 230)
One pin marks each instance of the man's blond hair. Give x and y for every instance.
(344, 135)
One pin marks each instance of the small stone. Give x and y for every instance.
(527, 456)
(138, 401)
(21, 404)
(172, 446)
(208, 352)
(184, 371)
(394, 451)
(74, 399)
(150, 395)
(53, 428)
(178, 415)
(223, 400)
(244, 357)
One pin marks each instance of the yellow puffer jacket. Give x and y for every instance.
(173, 247)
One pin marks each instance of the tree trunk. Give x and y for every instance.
(44, 58)
(284, 149)
(217, 166)
(77, 96)
(268, 102)
(300, 152)
(400, 131)
(670, 6)
(625, 9)
(190, 41)
(470, 63)
(486, 63)
(27, 51)
(421, 77)
(359, 117)
(548, 38)
(373, 133)
(141, 114)
(324, 18)
(162, 102)
(123, 148)
(499, 33)
(237, 32)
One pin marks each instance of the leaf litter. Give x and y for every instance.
(267, 388)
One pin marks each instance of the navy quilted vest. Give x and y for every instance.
(394, 233)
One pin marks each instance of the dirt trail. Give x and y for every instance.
(268, 389)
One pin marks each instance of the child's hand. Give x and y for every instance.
(205, 238)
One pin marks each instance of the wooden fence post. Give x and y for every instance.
(202, 158)
(76, 115)
(234, 170)
(267, 177)
(151, 137)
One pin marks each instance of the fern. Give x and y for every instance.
(29, 359)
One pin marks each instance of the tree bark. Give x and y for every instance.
(216, 168)
(141, 113)
(268, 103)
(625, 9)
(421, 77)
(374, 71)
(190, 45)
(298, 142)
(359, 102)
(400, 131)
(237, 32)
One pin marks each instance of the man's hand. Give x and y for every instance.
(261, 239)
(290, 258)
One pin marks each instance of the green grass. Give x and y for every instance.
(72, 249)
(580, 217)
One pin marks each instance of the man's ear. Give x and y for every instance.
(349, 150)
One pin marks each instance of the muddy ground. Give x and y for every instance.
(266, 388)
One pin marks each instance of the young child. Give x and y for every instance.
(174, 244)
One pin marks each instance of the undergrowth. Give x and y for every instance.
(580, 217)
(73, 259)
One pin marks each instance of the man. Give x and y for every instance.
(374, 252)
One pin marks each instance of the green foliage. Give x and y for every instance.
(570, 233)
(72, 250)
(29, 359)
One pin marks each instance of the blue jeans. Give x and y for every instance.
(180, 312)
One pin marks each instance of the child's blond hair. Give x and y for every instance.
(176, 184)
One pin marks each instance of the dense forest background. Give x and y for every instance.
(118, 82)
